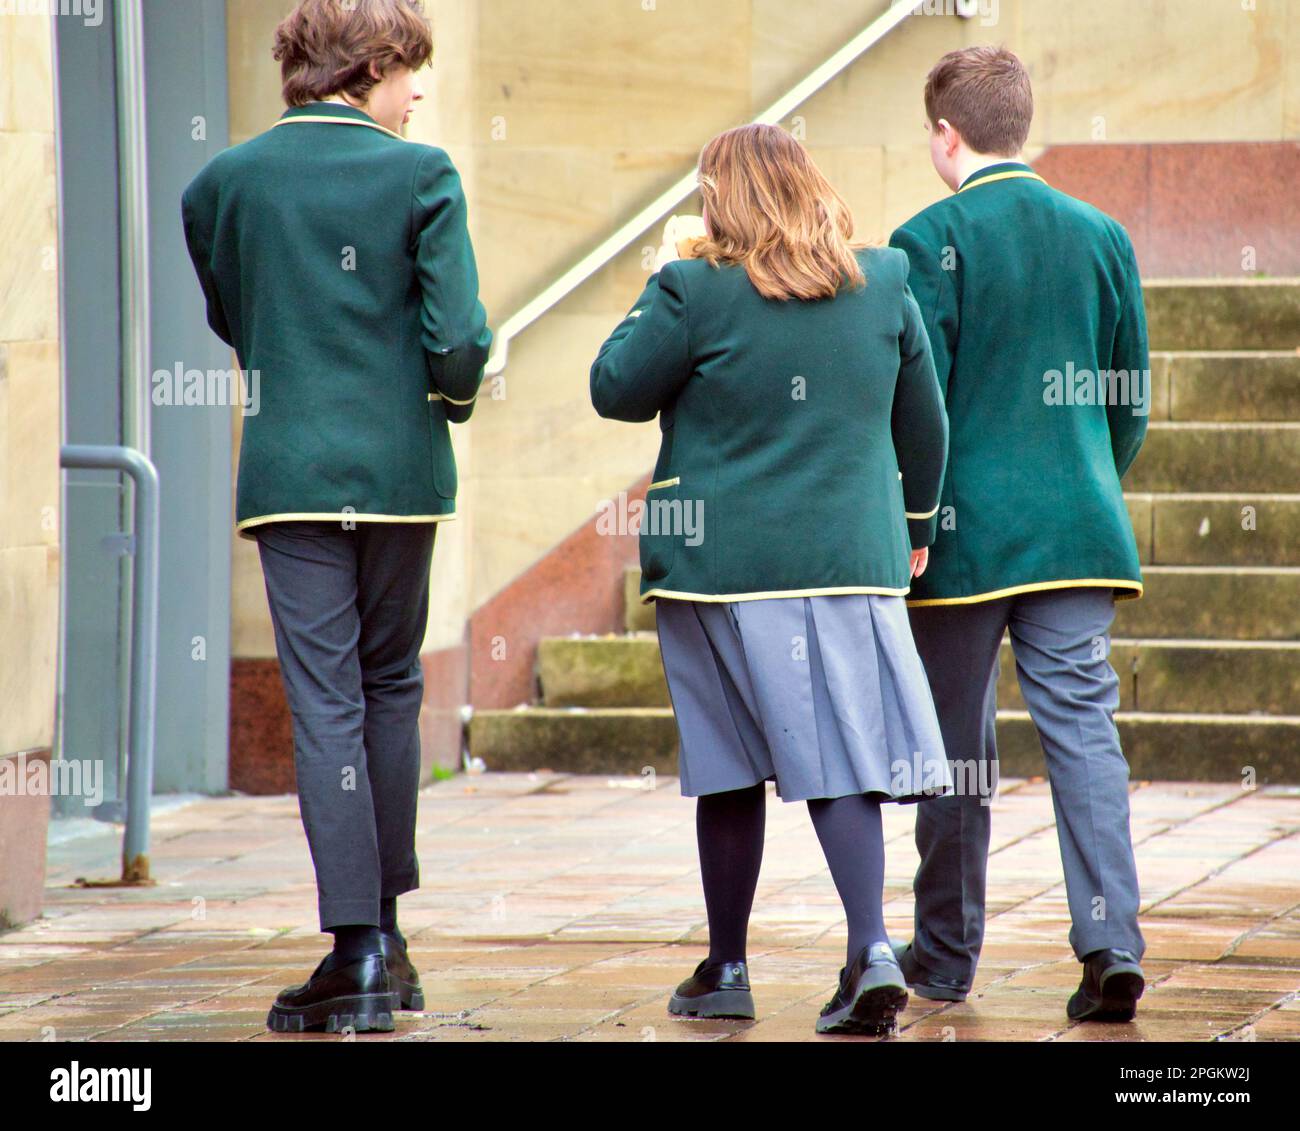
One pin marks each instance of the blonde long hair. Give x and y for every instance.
(771, 210)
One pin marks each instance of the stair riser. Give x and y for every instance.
(1157, 750)
(602, 673)
(1164, 679)
(1226, 316)
(1213, 606)
(1215, 532)
(1227, 389)
(1209, 606)
(1161, 750)
(524, 741)
(1259, 458)
(1153, 677)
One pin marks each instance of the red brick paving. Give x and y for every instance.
(567, 908)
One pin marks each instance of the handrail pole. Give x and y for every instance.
(144, 640)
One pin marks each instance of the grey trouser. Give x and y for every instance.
(1061, 640)
(349, 609)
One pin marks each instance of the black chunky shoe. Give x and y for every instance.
(720, 990)
(1112, 983)
(871, 994)
(403, 979)
(354, 997)
(927, 985)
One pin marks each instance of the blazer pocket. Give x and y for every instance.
(445, 480)
(660, 528)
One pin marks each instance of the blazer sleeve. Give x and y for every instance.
(936, 296)
(920, 427)
(453, 323)
(1130, 352)
(198, 222)
(647, 359)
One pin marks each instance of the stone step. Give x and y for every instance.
(1217, 457)
(1191, 676)
(1226, 385)
(1209, 603)
(1165, 676)
(638, 742)
(602, 671)
(618, 740)
(1182, 602)
(1163, 747)
(1223, 314)
(1216, 529)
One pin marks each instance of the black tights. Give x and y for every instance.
(729, 827)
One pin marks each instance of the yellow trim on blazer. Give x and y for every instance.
(338, 121)
(664, 483)
(1077, 583)
(928, 514)
(450, 400)
(998, 177)
(719, 598)
(326, 516)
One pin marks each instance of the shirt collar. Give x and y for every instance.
(328, 110)
(333, 112)
(994, 170)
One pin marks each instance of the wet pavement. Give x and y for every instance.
(555, 907)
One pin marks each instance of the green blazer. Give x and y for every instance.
(334, 257)
(803, 442)
(1028, 295)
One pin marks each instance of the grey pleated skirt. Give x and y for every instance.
(826, 696)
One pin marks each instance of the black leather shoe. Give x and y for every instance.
(1112, 983)
(354, 997)
(927, 985)
(403, 979)
(871, 994)
(720, 990)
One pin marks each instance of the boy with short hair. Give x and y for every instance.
(1033, 304)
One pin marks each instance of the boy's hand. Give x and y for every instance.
(920, 559)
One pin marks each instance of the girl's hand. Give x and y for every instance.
(680, 232)
(920, 559)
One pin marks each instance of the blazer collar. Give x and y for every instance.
(1003, 170)
(333, 112)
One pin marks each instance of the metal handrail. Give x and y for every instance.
(609, 247)
(144, 641)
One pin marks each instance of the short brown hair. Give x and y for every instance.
(325, 47)
(985, 94)
(771, 210)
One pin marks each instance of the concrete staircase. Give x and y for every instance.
(1208, 659)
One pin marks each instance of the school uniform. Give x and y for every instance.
(802, 451)
(334, 257)
(1028, 295)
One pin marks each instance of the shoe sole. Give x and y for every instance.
(735, 1004)
(935, 993)
(409, 994)
(362, 1013)
(925, 989)
(1121, 986)
(873, 1013)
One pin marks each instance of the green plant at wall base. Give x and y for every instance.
(441, 773)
